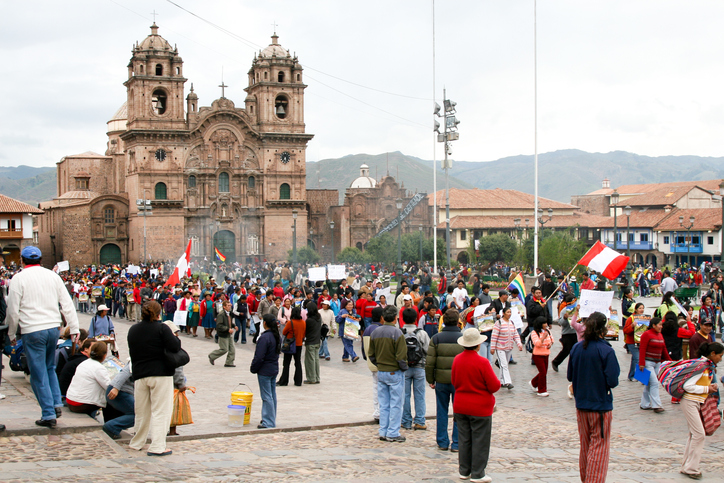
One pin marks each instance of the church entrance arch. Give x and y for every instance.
(225, 241)
(110, 254)
(463, 257)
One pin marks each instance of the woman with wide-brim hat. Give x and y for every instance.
(475, 382)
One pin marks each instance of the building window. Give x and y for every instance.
(195, 246)
(160, 191)
(618, 236)
(299, 77)
(81, 183)
(463, 235)
(159, 69)
(666, 240)
(281, 107)
(631, 237)
(192, 181)
(695, 240)
(252, 182)
(644, 237)
(710, 240)
(109, 215)
(280, 76)
(284, 192)
(223, 182)
(680, 240)
(178, 70)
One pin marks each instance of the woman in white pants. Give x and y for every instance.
(504, 337)
(697, 389)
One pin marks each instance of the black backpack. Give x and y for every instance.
(415, 352)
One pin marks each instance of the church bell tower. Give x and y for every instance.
(155, 85)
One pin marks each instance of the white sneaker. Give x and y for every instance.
(463, 477)
(2, 396)
(532, 387)
(570, 392)
(543, 394)
(484, 479)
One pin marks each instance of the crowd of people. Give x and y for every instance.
(425, 333)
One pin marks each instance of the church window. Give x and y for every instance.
(81, 183)
(109, 215)
(284, 192)
(178, 70)
(299, 77)
(266, 75)
(281, 107)
(158, 101)
(159, 69)
(280, 76)
(160, 191)
(140, 68)
(252, 182)
(251, 109)
(192, 181)
(223, 182)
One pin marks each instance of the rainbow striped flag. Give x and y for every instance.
(219, 255)
(518, 283)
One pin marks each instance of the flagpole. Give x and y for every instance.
(560, 284)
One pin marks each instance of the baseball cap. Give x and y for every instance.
(407, 297)
(31, 253)
(707, 322)
(325, 302)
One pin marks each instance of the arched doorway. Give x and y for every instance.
(463, 257)
(110, 254)
(225, 241)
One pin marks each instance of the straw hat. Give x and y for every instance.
(472, 337)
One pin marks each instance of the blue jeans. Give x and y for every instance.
(634, 350)
(240, 329)
(124, 403)
(650, 398)
(349, 352)
(414, 380)
(366, 322)
(445, 394)
(268, 390)
(324, 349)
(390, 390)
(40, 353)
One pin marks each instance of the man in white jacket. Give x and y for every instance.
(34, 295)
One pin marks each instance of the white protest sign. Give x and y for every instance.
(154, 273)
(594, 301)
(63, 266)
(317, 274)
(336, 272)
(387, 292)
(515, 317)
(680, 307)
(133, 269)
(480, 310)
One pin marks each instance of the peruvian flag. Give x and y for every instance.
(604, 260)
(183, 268)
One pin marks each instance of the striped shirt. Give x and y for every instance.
(505, 336)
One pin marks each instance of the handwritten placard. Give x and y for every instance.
(317, 274)
(336, 272)
(594, 301)
(63, 266)
(386, 292)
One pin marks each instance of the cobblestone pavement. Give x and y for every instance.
(526, 447)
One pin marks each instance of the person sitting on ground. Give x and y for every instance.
(66, 349)
(87, 391)
(66, 375)
(119, 395)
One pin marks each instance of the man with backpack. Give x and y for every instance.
(417, 342)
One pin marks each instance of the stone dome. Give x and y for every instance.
(78, 195)
(155, 41)
(121, 114)
(274, 49)
(364, 180)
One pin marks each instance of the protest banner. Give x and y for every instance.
(63, 266)
(317, 274)
(594, 301)
(336, 272)
(387, 292)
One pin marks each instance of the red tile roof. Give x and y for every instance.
(704, 219)
(639, 219)
(631, 189)
(494, 199)
(507, 222)
(9, 205)
(660, 197)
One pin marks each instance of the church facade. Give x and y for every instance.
(231, 179)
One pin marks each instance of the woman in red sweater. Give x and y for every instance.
(652, 352)
(474, 382)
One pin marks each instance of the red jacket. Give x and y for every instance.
(300, 328)
(252, 303)
(402, 309)
(279, 292)
(474, 382)
(652, 348)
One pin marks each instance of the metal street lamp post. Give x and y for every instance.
(331, 227)
(614, 202)
(420, 246)
(688, 236)
(294, 240)
(540, 216)
(398, 203)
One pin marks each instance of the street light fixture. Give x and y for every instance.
(294, 240)
(540, 216)
(331, 227)
(688, 236)
(398, 203)
(614, 202)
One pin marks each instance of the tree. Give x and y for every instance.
(497, 248)
(561, 251)
(353, 255)
(383, 249)
(305, 254)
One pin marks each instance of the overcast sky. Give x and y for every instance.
(633, 75)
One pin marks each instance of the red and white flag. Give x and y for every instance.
(604, 260)
(183, 268)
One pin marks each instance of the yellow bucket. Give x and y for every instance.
(243, 398)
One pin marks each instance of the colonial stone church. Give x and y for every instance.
(228, 178)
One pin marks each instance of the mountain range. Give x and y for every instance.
(561, 173)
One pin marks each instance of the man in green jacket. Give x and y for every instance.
(388, 351)
(225, 330)
(438, 368)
